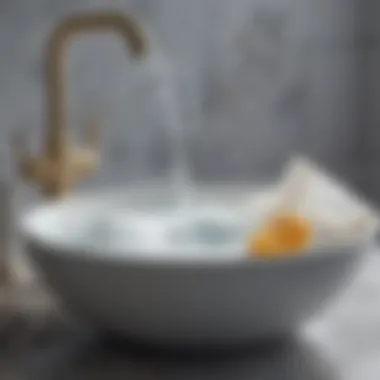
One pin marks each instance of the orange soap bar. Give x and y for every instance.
(263, 245)
(284, 234)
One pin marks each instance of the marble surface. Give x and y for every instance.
(38, 340)
(257, 80)
(350, 331)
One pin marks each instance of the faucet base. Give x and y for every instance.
(56, 177)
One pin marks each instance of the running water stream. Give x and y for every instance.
(165, 95)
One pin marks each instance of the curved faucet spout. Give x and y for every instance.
(122, 24)
(61, 166)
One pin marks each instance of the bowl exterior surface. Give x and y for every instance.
(192, 303)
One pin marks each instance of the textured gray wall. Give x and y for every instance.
(258, 80)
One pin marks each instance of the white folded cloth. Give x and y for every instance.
(337, 213)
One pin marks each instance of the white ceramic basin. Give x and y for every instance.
(197, 301)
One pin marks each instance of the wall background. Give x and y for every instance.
(257, 79)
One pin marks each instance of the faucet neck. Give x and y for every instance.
(56, 133)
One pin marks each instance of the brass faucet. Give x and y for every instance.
(61, 165)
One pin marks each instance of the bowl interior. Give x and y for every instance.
(117, 222)
(145, 223)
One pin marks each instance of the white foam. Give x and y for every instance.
(171, 233)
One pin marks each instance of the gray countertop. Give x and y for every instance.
(38, 342)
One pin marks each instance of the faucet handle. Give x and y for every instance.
(28, 168)
(84, 159)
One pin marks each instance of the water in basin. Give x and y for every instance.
(203, 232)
